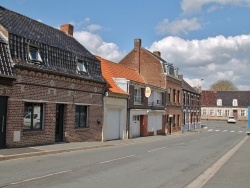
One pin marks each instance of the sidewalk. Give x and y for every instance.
(14, 153)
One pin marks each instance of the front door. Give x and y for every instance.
(59, 122)
(3, 112)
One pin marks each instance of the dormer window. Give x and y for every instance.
(219, 102)
(81, 67)
(34, 55)
(235, 102)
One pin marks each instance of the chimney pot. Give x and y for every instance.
(67, 28)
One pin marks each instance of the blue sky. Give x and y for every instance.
(207, 40)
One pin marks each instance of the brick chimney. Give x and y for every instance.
(180, 76)
(158, 53)
(137, 43)
(67, 28)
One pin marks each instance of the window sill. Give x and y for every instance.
(81, 128)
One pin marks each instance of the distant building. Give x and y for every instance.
(218, 105)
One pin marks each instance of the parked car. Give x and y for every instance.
(231, 119)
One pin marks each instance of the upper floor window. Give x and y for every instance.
(169, 95)
(34, 55)
(81, 67)
(174, 95)
(137, 95)
(235, 102)
(219, 102)
(33, 116)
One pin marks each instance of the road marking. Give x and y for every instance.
(201, 180)
(40, 177)
(116, 159)
(232, 131)
(225, 130)
(240, 131)
(217, 130)
(210, 130)
(205, 127)
(156, 149)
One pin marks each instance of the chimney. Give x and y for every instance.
(67, 28)
(180, 76)
(137, 43)
(158, 53)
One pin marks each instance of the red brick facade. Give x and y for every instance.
(49, 89)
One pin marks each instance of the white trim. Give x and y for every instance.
(38, 101)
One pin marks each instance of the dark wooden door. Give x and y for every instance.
(3, 112)
(59, 122)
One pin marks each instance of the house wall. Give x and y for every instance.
(35, 86)
(121, 105)
(216, 116)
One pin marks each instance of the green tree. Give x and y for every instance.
(223, 85)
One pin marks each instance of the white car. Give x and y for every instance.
(231, 119)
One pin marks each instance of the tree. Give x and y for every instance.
(223, 85)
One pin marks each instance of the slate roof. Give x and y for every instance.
(209, 98)
(187, 87)
(112, 70)
(5, 59)
(58, 50)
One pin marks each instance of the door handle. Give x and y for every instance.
(2, 123)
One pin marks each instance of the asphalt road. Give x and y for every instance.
(174, 161)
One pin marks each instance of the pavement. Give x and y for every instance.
(15, 153)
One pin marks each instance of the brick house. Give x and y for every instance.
(191, 106)
(55, 92)
(218, 105)
(159, 73)
(145, 114)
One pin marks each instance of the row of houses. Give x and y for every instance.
(52, 89)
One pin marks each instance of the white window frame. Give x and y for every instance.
(243, 113)
(219, 102)
(204, 112)
(219, 112)
(235, 102)
(211, 112)
(227, 112)
(34, 57)
(137, 95)
(81, 66)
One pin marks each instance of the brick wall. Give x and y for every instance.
(52, 89)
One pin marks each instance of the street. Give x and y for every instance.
(171, 161)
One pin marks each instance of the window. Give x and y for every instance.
(136, 118)
(219, 102)
(169, 94)
(242, 113)
(174, 95)
(227, 113)
(33, 116)
(184, 98)
(137, 95)
(178, 96)
(188, 99)
(81, 116)
(219, 112)
(34, 55)
(204, 112)
(81, 67)
(192, 100)
(235, 102)
(211, 112)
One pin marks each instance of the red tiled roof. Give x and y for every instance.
(208, 98)
(112, 70)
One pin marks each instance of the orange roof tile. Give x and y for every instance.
(112, 70)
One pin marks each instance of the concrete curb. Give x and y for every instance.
(41, 153)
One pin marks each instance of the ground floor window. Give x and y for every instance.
(219, 112)
(211, 112)
(242, 113)
(227, 113)
(136, 118)
(204, 112)
(33, 116)
(81, 116)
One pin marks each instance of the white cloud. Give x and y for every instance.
(95, 44)
(193, 6)
(93, 27)
(211, 59)
(178, 26)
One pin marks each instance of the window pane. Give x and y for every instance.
(33, 54)
(33, 115)
(77, 116)
(27, 116)
(37, 116)
(81, 116)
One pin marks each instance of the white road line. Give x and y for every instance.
(201, 180)
(156, 149)
(217, 130)
(116, 159)
(225, 130)
(232, 131)
(205, 127)
(210, 130)
(40, 177)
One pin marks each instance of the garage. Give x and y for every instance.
(113, 124)
(154, 122)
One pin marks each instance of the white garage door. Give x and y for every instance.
(154, 122)
(113, 124)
